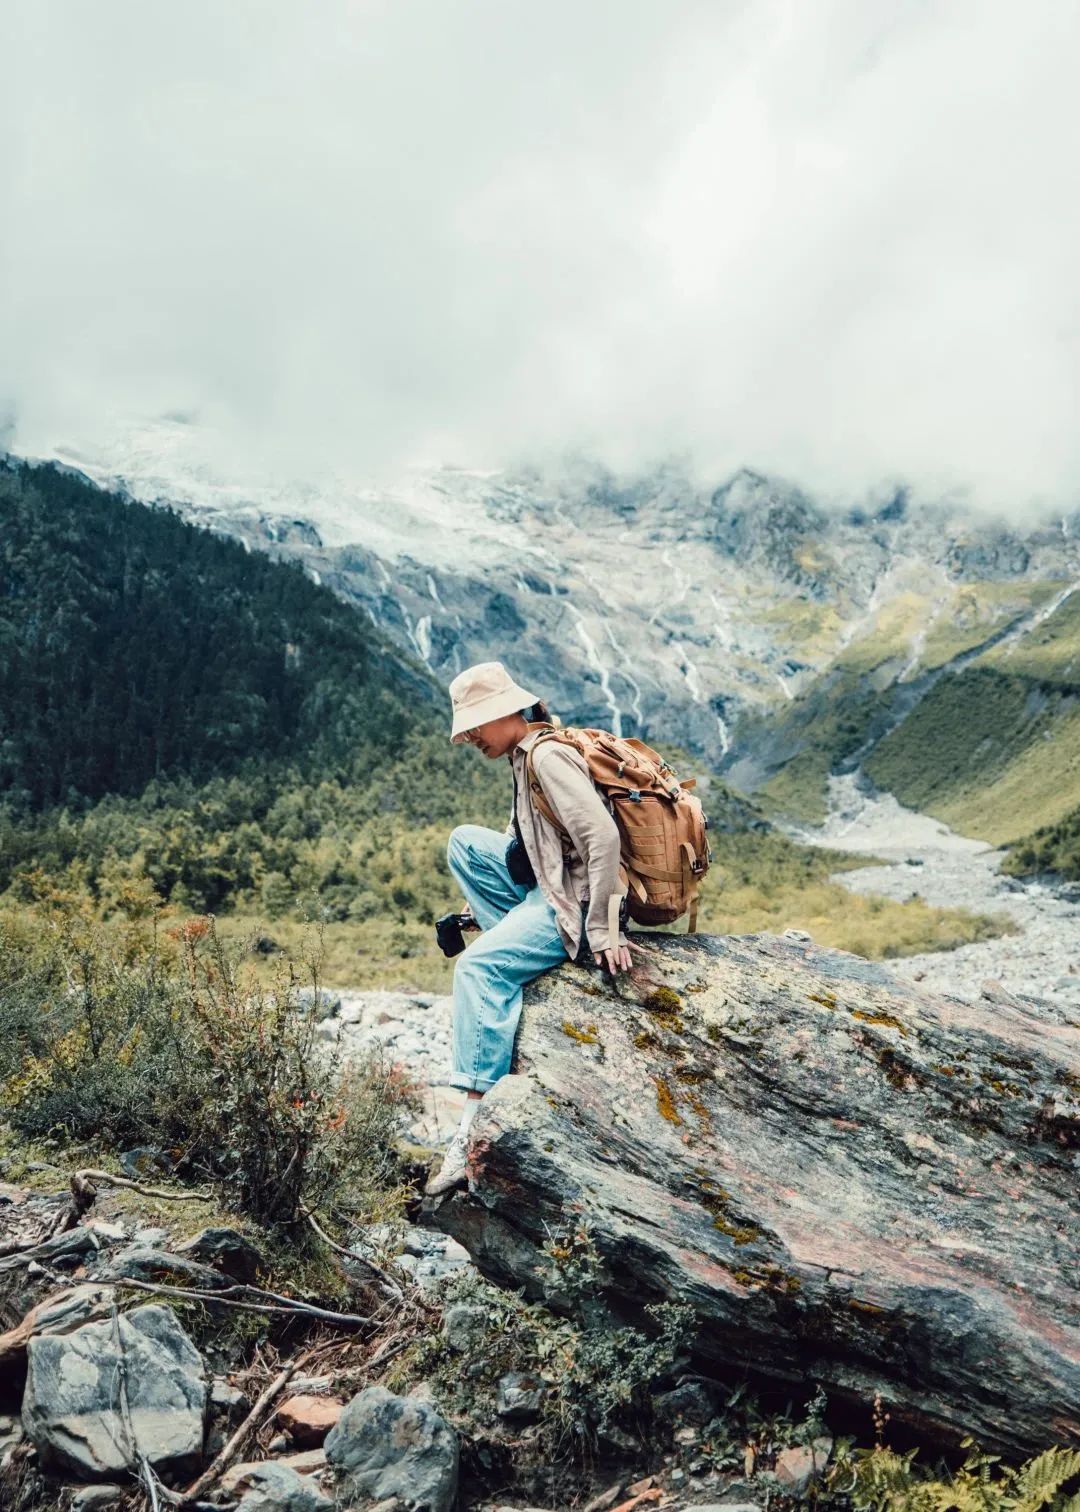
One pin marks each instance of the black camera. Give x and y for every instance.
(448, 932)
(518, 864)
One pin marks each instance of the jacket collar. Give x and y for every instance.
(526, 742)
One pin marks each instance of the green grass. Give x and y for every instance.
(1055, 848)
(994, 751)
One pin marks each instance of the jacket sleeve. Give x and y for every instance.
(574, 798)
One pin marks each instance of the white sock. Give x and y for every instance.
(468, 1113)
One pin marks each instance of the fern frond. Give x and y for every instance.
(1039, 1481)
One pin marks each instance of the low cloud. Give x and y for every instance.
(836, 241)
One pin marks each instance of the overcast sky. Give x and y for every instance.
(836, 239)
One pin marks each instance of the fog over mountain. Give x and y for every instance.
(833, 243)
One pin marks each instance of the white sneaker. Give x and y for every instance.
(452, 1172)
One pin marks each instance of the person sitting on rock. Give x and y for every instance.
(538, 896)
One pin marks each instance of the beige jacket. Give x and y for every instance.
(583, 887)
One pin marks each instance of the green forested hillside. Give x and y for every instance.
(183, 721)
(134, 647)
(173, 709)
(995, 749)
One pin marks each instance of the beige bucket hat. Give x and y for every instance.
(486, 691)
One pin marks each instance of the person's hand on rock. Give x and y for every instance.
(615, 960)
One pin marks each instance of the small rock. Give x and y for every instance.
(11, 1433)
(308, 1419)
(278, 1444)
(138, 1264)
(227, 1410)
(108, 1233)
(69, 1407)
(150, 1238)
(96, 1498)
(61, 1313)
(687, 1435)
(464, 1327)
(273, 1487)
(306, 1462)
(322, 1002)
(689, 1402)
(797, 1465)
(228, 1401)
(519, 1397)
(144, 1161)
(227, 1250)
(395, 1446)
(732, 1506)
(605, 1499)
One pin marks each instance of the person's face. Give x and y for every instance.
(495, 737)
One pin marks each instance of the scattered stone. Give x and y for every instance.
(732, 1506)
(138, 1264)
(227, 1250)
(72, 1404)
(797, 1465)
(144, 1161)
(306, 1462)
(108, 1233)
(11, 1434)
(278, 1444)
(308, 1419)
(227, 1410)
(605, 1499)
(150, 1238)
(273, 1487)
(74, 1243)
(96, 1498)
(395, 1446)
(640, 1499)
(323, 1002)
(61, 1313)
(464, 1327)
(689, 1402)
(519, 1397)
(228, 1401)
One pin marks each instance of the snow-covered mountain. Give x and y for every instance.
(655, 607)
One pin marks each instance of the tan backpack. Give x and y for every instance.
(665, 852)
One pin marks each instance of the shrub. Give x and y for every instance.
(142, 1035)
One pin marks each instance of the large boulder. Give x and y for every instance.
(386, 1446)
(850, 1181)
(101, 1398)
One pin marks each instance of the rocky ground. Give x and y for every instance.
(874, 1230)
(926, 859)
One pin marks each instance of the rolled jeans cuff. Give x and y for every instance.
(466, 1083)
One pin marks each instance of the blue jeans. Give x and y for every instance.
(520, 939)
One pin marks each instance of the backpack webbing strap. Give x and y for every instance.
(613, 921)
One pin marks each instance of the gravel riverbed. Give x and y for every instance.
(927, 859)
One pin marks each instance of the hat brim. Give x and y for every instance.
(495, 706)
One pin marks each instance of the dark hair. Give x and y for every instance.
(538, 713)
